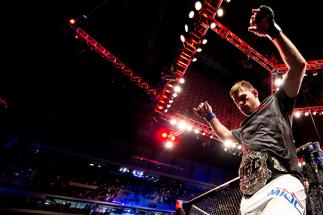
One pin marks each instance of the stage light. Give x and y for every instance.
(169, 145)
(198, 5)
(181, 81)
(191, 14)
(220, 12)
(182, 38)
(213, 25)
(204, 41)
(124, 169)
(80, 20)
(164, 135)
(186, 28)
(138, 173)
(181, 125)
(297, 114)
(72, 21)
(177, 89)
(173, 122)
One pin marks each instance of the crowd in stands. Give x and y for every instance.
(96, 182)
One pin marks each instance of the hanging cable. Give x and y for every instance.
(311, 115)
(97, 8)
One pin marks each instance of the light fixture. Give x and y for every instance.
(220, 12)
(182, 38)
(191, 14)
(198, 5)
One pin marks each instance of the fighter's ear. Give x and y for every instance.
(255, 92)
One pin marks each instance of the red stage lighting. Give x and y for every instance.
(164, 135)
(72, 21)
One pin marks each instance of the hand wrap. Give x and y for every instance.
(210, 116)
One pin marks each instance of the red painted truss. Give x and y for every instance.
(81, 34)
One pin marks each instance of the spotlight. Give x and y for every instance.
(181, 80)
(297, 114)
(191, 14)
(186, 28)
(169, 145)
(220, 12)
(72, 21)
(182, 38)
(198, 5)
(177, 89)
(164, 135)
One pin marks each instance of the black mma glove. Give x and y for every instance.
(266, 14)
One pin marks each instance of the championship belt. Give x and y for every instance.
(253, 172)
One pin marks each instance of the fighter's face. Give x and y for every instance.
(246, 100)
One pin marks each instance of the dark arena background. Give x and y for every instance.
(96, 102)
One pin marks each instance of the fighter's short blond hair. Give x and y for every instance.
(238, 86)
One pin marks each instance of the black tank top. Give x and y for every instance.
(269, 129)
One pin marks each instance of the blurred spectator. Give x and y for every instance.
(179, 208)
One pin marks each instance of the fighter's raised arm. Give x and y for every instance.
(262, 23)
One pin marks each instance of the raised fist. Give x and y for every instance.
(203, 109)
(262, 22)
